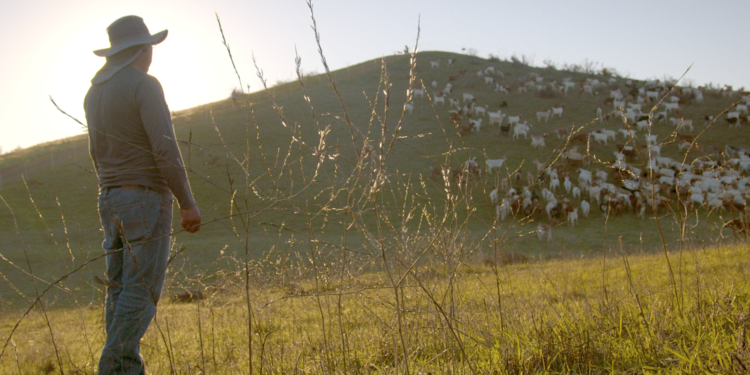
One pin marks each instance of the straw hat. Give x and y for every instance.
(129, 31)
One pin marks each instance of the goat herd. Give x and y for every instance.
(638, 179)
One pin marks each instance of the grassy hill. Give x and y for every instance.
(269, 156)
(326, 231)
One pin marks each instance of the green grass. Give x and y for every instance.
(570, 315)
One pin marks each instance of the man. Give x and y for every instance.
(139, 166)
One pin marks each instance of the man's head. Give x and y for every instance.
(131, 45)
(127, 32)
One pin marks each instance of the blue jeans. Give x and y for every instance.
(137, 223)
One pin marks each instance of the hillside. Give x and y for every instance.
(293, 174)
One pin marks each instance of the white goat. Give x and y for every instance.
(496, 119)
(503, 209)
(585, 207)
(543, 115)
(567, 184)
(584, 176)
(670, 106)
(538, 142)
(476, 124)
(514, 119)
(409, 107)
(554, 184)
(599, 137)
(520, 129)
(573, 217)
(541, 229)
(495, 163)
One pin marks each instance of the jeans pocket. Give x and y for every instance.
(133, 222)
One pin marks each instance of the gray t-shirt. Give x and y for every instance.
(131, 139)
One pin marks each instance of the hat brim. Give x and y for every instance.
(151, 39)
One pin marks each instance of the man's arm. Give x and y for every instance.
(157, 122)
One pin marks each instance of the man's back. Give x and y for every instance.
(131, 137)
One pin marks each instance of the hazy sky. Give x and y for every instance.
(47, 45)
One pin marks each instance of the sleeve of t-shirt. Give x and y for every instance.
(157, 121)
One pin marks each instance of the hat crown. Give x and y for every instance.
(125, 28)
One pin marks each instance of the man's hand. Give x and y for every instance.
(190, 219)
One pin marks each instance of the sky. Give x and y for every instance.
(47, 45)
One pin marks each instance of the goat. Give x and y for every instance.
(520, 129)
(503, 209)
(494, 163)
(434, 64)
(608, 133)
(514, 119)
(554, 184)
(543, 115)
(538, 142)
(496, 117)
(585, 208)
(670, 106)
(627, 133)
(438, 99)
(567, 184)
(541, 229)
(561, 132)
(573, 217)
(493, 195)
(599, 137)
(558, 111)
(476, 124)
(409, 107)
(505, 129)
(468, 97)
(584, 176)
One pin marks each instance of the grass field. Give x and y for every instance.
(615, 314)
(323, 200)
